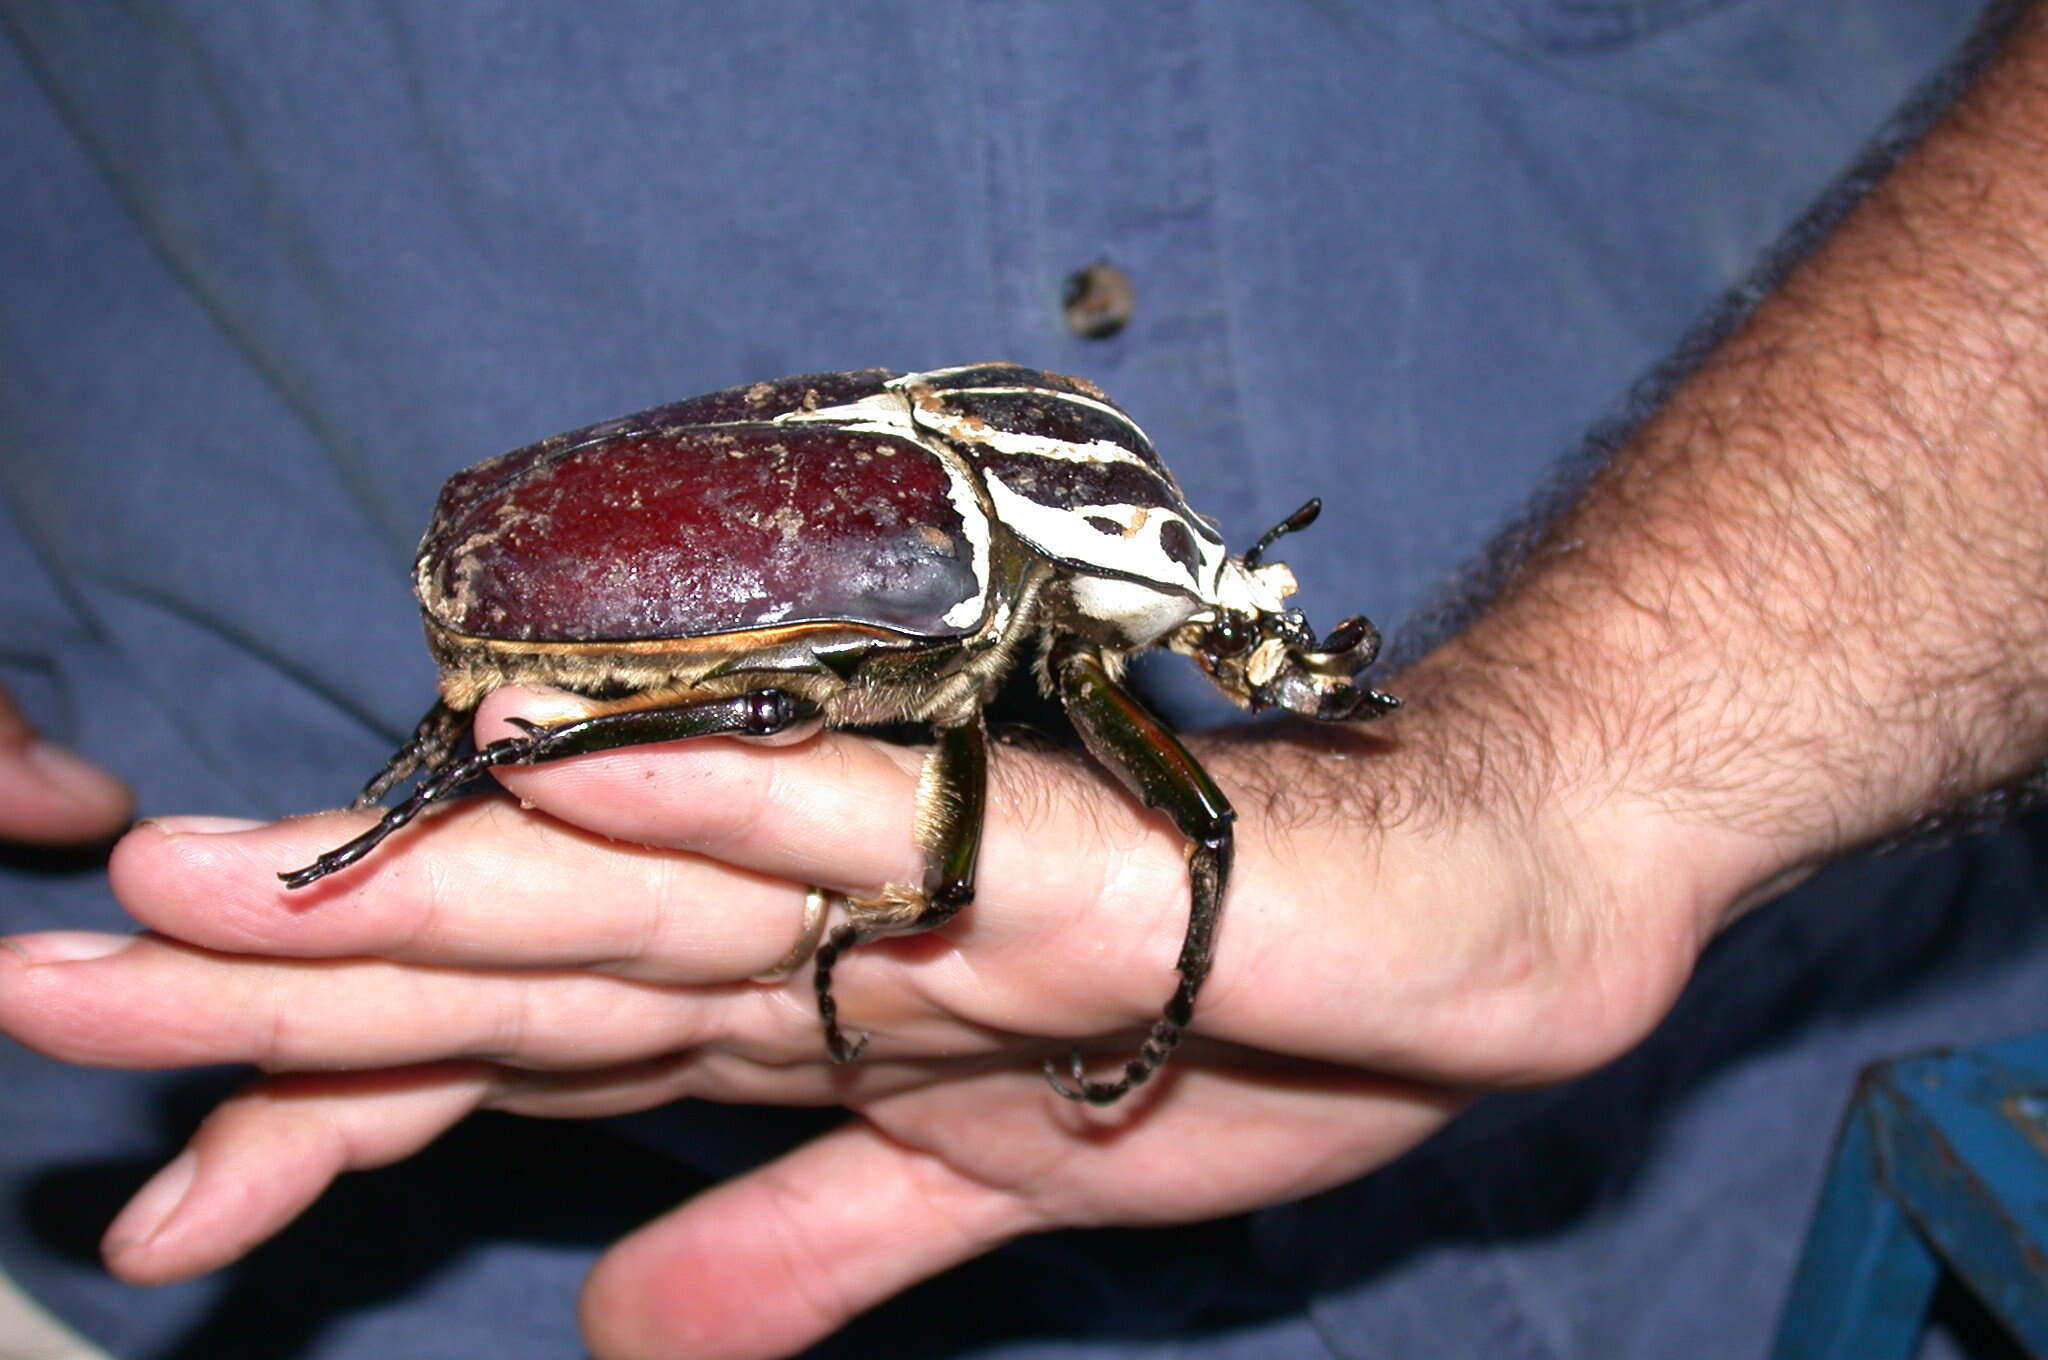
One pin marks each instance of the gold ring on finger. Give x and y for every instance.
(817, 902)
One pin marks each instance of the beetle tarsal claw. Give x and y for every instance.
(1083, 1090)
(1077, 1070)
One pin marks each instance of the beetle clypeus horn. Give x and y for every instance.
(848, 549)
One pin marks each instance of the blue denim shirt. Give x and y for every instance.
(273, 272)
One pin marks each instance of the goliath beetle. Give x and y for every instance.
(850, 549)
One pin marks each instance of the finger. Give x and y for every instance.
(834, 810)
(270, 1151)
(481, 885)
(718, 1075)
(766, 1264)
(48, 795)
(1072, 942)
(1082, 898)
(839, 810)
(149, 1002)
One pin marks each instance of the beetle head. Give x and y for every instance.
(1273, 659)
(1263, 655)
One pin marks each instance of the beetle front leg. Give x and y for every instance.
(952, 793)
(1150, 762)
(757, 713)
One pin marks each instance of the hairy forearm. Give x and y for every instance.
(1808, 602)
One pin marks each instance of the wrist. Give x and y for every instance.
(1608, 780)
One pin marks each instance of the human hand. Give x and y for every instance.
(48, 796)
(548, 961)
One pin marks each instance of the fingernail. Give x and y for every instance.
(545, 704)
(202, 826)
(67, 946)
(152, 1206)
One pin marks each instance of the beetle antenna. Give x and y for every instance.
(1294, 523)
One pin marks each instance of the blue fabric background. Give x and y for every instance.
(272, 272)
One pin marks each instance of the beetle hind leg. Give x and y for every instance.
(757, 713)
(1152, 764)
(952, 792)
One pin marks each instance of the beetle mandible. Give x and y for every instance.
(851, 549)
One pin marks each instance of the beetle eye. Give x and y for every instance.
(1229, 637)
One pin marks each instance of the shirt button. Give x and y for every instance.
(1098, 301)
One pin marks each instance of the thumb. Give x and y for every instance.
(784, 1256)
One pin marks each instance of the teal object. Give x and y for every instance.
(1942, 1166)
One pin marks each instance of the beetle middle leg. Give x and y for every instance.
(428, 749)
(757, 713)
(952, 793)
(1150, 762)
